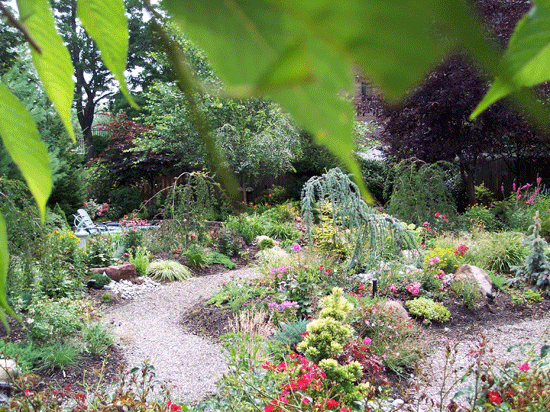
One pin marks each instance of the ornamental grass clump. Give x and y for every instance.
(169, 270)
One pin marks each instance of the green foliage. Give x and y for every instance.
(190, 204)
(106, 297)
(227, 242)
(97, 338)
(140, 257)
(468, 291)
(99, 251)
(532, 296)
(168, 270)
(480, 217)
(195, 256)
(371, 236)
(220, 259)
(375, 174)
(27, 353)
(101, 279)
(60, 355)
(327, 334)
(51, 321)
(247, 226)
(499, 282)
(428, 310)
(497, 251)
(123, 200)
(536, 268)
(236, 293)
(420, 190)
(266, 244)
(283, 231)
(288, 334)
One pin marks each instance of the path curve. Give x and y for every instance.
(149, 329)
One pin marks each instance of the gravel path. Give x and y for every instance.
(499, 339)
(149, 330)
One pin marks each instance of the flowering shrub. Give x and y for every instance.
(302, 285)
(446, 259)
(523, 387)
(131, 391)
(283, 312)
(391, 336)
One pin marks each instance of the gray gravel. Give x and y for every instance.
(499, 338)
(148, 329)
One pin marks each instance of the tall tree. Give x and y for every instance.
(433, 123)
(94, 83)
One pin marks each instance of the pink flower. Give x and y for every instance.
(539, 179)
(514, 186)
(502, 188)
(393, 288)
(524, 367)
(28, 392)
(437, 214)
(367, 341)
(446, 220)
(296, 247)
(85, 203)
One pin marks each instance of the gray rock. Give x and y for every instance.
(472, 273)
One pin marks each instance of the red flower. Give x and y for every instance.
(437, 214)
(173, 407)
(269, 408)
(494, 397)
(332, 404)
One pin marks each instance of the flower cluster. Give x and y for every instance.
(278, 272)
(461, 250)
(133, 221)
(283, 312)
(413, 288)
(306, 387)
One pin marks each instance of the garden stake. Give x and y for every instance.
(374, 287)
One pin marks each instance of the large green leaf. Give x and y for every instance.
(4, 263)
(527, 58)
(22, 140)
(106, 23)
(256, 46)
(53, 63)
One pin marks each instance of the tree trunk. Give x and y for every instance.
(467, 175)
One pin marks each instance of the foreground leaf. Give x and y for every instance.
(526, 62)
(22, 140)
(4, 263)
(53, 63)
(256, 46)
(106, 23)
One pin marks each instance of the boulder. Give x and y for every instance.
(8, 370)
(474, 274)
(398, 308)
(118, 273)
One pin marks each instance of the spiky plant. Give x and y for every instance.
(169, 270)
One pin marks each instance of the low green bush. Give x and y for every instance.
(195, 256)
(428, 310)
(221, 259)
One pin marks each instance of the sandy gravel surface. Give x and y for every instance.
(499, 339)
(149, 330)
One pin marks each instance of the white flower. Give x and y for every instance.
(30, 320)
